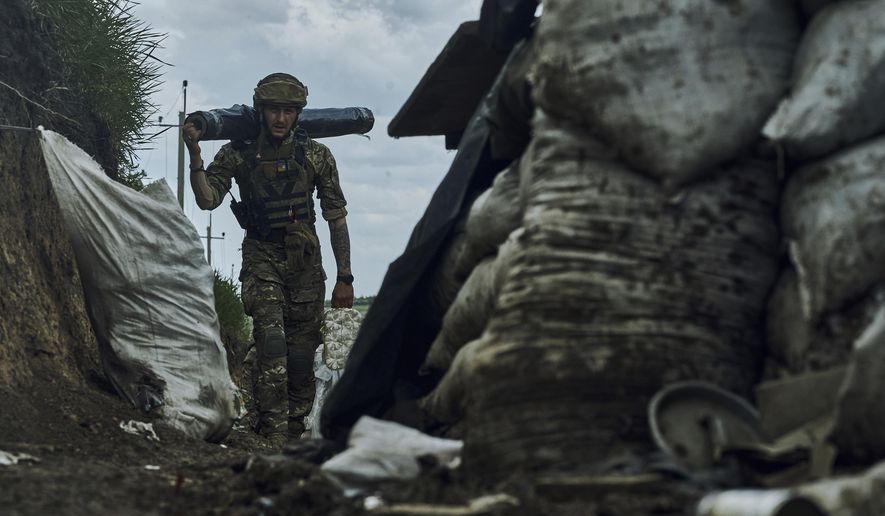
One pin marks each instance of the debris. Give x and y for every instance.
(11, 459)
(140, 428)
(489, 504)
(151, 467)
(381, 450)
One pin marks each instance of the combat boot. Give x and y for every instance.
(296, 428)
(272, 428)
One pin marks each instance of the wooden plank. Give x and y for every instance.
(448, 93)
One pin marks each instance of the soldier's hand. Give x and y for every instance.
(342, 295)
(191, 136)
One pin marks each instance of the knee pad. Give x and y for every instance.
(301, 361)
(274, 343)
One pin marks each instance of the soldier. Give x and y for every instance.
(282, 275)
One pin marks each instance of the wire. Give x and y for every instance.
(17, 128)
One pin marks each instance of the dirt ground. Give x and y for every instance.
(85, 464)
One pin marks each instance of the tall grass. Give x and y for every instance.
(109, 55)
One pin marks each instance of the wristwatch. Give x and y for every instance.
(346, 278)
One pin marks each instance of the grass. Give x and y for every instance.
(109, 55)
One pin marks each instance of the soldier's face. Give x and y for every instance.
(280, 120)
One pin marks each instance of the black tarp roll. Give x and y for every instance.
(240, 122)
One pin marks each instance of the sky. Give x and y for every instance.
(369, 53)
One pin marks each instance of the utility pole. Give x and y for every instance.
(209, 238)
(181, 115)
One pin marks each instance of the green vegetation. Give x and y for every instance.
(108, 54)
(236, 327)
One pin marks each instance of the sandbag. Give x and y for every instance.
(467, 317)
(492, 217)
(788, 333)
(339, 330)
(833, 214)
(446, 402)
(796, 346)
(676, 87)
(860, 411)
(149, 292)
(619, 288)
(838, 85)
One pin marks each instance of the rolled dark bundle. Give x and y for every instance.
(240, 122)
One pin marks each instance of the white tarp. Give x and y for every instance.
(149, 293)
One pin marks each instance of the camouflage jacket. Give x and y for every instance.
(277, 183)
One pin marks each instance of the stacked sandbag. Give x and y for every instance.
(617, 288)
(826, 312)
(839, 82)
(492, 217)
(467, 317)
(675, 87)
(834, 219)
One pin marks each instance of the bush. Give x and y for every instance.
(236, 327)
(108, 55)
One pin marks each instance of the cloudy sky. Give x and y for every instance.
(368, 53)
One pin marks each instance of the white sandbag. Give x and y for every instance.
(839, 82)
(467, 317)
(493, 216)
(676, 87)
(339, 330)
(833, 214)
(149, 293)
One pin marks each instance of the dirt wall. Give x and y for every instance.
(44, 330)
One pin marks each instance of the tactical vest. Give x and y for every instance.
(276, 184)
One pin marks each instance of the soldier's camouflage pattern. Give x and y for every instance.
(283, 293)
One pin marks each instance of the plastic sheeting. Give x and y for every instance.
(149, 293)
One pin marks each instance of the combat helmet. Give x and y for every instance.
(280, 89)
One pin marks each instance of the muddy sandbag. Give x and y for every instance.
(833, 214)
(467, 317)
(838, 85)
(618, 288)
(149, 293)
(676, 87)
(788, 332)
(796, 346)
(445, 403)
(860, 412)
(493, 216)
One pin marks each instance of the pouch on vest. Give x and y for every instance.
(241, 213)
(301, 245)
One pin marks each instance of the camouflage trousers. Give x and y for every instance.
(286, 306)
